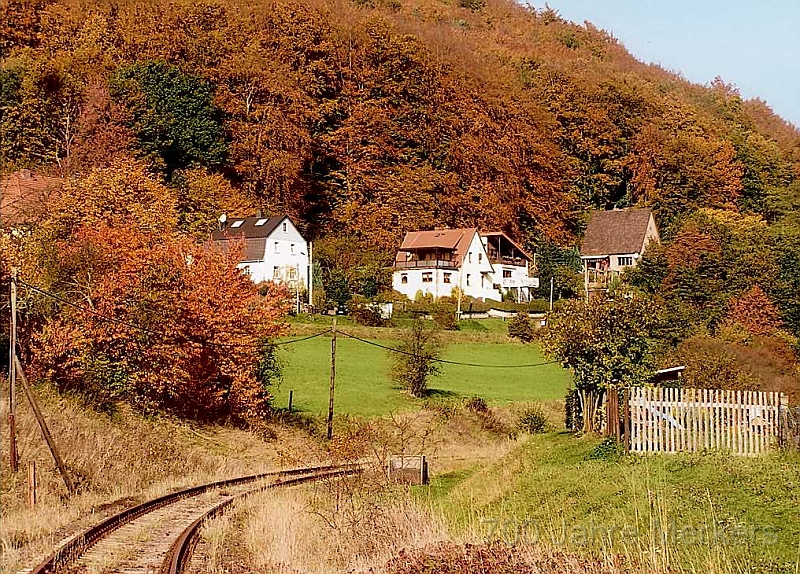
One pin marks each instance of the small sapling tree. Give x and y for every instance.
(413, 366)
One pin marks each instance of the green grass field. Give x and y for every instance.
(363, 387)
(708, 512)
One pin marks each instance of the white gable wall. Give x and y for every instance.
(285, 257)
(474, 277)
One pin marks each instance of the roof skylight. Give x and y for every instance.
(237, 223)
(261, 222)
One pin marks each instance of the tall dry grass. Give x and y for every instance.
(115, 460)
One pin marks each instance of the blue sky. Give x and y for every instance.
(754, 45)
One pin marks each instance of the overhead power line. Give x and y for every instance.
(183, 338)
(445, 361)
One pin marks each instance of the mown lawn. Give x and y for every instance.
(363, 386)
(667, 513)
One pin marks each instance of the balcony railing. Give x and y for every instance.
(495, 259)
(425, 264)
(599, 278)
(523, 282)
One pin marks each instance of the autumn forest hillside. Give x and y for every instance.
(373, 117)
(364, 119)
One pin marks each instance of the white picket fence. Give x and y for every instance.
(678, 420)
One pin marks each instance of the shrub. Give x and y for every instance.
(532, 421)
(608, 449)
(520, 327)
(367, 316)
(573, 414)
(476, 405)
(444, 316)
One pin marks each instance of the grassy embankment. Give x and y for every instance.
(363, 386)
(672, 513)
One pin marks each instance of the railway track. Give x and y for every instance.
(158, 536)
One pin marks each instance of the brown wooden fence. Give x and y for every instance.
(679, 420)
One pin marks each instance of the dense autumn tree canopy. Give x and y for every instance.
(374, 118)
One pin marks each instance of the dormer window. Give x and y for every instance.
(260, 222)
(237, 223)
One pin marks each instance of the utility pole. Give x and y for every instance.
(551, 292)
(43, 427)
(12, 377)
(310, 273)
(297, 287)
(333, 380)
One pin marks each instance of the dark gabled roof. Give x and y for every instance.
(615, 232)
(252, 236)
(456, 240)
(247, 228)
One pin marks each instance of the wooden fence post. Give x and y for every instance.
(31, 484)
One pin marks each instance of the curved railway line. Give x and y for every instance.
(159, 536)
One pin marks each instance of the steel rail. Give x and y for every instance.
(180, 552)
(82, 542)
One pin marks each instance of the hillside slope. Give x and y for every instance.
(374, 117)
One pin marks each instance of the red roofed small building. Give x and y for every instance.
(25, 196)
(484, 266)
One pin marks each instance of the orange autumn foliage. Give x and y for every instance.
(754, 311)
(188, 333)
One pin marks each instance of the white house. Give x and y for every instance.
(483, 266)
(273, 249)
(615, 240)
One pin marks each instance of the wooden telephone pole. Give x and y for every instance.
(43, 427)
(333, 380)
(12, 377)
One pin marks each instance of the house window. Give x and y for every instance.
(404, 278)
(284, 227)
(483, 281)
(469, 258)
(506, 274)
(467, 279)
(480, 257)
(276, 272)
(624, 261)
(292, 273)
(447, 277)
(277, 247)
(291, 248)
(427, 277)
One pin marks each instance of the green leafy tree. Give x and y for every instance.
(606, 344)
(173, 115)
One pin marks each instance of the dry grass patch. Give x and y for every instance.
(116, 461)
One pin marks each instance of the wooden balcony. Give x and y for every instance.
(599, 278)
(425, 264)
(495, 259)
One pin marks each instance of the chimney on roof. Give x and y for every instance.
(25, 174)
(441, 228)
(259, 214)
